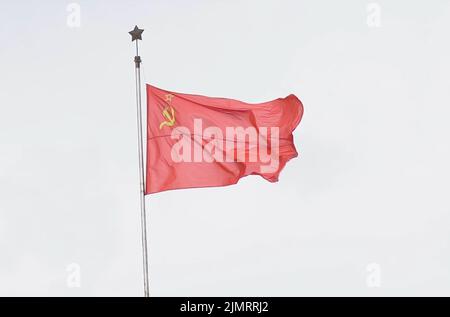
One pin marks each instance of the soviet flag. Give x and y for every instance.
(198, 141)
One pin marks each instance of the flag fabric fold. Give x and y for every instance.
(197, 141)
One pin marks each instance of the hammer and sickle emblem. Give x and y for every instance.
(169, 114)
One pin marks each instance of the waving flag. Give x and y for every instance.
(198, 141)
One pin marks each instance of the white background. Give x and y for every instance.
(366, 204)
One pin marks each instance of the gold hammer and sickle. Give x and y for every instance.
(169, 115)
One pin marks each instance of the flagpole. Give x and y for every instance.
(136, 35)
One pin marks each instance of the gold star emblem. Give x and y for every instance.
(169, 98)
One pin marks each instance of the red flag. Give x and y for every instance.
(197, 141)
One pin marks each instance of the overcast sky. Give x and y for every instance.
(364, 210)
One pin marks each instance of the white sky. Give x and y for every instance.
(370, 185)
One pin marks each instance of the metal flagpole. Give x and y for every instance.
(136, 35)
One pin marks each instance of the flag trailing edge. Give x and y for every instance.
(197, 141)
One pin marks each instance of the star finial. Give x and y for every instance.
(136, 34)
